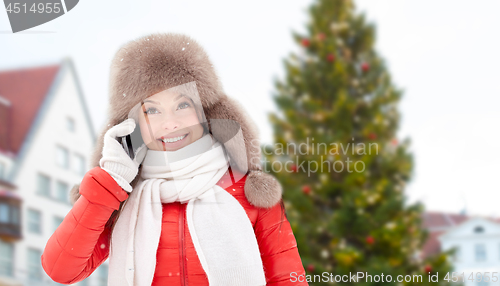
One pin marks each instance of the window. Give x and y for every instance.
(70, 124)
(57, 222)
(43, 185)
(482, 283)
(62, 192)
(62, 157)
(14, 214)
(9, 213)
(4, 213)
(457, 254)
(34, 221)
(79, 164)
(480, 251)
(2, 170)
(102, 279)
(6, 258)
(478, 229)
(34, 264)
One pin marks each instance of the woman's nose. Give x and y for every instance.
(170, 122)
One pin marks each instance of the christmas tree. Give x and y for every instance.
(338, 158)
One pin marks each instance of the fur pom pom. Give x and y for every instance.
(262, 190)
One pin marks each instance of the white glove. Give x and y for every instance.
(115, 160)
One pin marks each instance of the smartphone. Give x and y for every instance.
(126, 142)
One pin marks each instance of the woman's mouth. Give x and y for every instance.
(173, 142)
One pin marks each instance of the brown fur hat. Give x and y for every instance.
(160, 61)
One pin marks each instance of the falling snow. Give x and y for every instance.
(183, 49)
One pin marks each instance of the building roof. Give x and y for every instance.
(434, 221)
(26, 90)
(29, 92)
(432, 244)
(437, 223)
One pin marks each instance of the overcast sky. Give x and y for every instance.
(443, 54)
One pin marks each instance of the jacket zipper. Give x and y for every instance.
(182, 246)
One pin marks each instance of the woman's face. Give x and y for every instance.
(168, 121)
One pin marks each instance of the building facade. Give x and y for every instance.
(476, 241)
(46, 140)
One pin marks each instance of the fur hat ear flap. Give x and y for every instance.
(74, 194)
(231, 126)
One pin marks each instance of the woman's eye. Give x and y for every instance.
(183, 105)
(151, 110)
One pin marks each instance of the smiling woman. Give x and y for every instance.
(193, 207)
(170, 120)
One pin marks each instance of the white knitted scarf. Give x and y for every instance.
(221, 231)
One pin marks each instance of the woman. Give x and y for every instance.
(189, 219)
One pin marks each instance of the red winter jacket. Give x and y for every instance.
(81, 243)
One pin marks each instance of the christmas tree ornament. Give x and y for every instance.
(342, 243)
(365, 67)
(321, 36)
(306, 189)
(310, 268)
(347, 53)
(390, 225)
(370, 240)
(334, 27)
(305, 42)
(319, 116)
(344, 25)
(324, 253)
(323, 178)
(428, 268)
(330, 57)
(372, 136)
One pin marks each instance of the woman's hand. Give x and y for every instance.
(115, 160)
